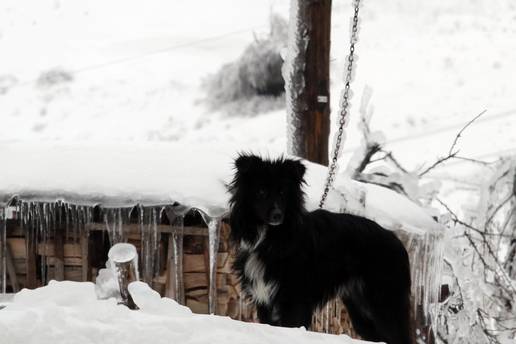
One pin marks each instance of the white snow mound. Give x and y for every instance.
(69, 312)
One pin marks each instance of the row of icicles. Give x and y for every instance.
(40, 221)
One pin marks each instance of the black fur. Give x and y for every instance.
(299, 260)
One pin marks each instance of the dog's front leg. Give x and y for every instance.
(267, 315)
(295, 314)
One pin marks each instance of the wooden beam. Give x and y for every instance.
(134, 228)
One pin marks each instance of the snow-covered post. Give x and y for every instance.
(306, 73)
(125, 258)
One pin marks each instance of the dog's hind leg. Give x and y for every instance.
(362, 322)
(394, 322)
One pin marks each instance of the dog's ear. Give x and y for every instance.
(296, 168)
(245, 163)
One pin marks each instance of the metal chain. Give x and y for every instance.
(344, 105)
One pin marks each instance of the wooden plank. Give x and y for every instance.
(199, 279)
(67, 261)
(18, 248)
(195, 262)
(11, 271)
(200, 307)
(134, 228)
(201, 295)
(85, 253)
(31, 279)
(70, 273)
(70, 250)
(197, 307)
(20, 265)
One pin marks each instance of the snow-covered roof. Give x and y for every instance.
(118, 175)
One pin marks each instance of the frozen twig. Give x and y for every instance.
(438, 162)
(381, 180)
(452, 153)
(497, 269)
(371, 149)
(462, 130)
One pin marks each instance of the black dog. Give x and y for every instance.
(291, 261)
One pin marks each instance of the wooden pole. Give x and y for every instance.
(308, 81)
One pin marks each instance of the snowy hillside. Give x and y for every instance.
(133, 72)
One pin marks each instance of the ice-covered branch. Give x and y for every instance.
(452, 153)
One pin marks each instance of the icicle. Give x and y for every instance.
(149, 235)
(3, 250)
(144, 244)
(176, 219)
(66, 209)
(80, 223)
(114, 221)
(213, 239)
(45, 228)
(426, 259)
(154, 242)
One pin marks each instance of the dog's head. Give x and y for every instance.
(268, 190)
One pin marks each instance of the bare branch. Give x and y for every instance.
(371, 150)
(452, 153)
(476, 161)
(438, 162)
(462, 130)
(500, 206)
(388, 155)
(498, 269)
(381, 181)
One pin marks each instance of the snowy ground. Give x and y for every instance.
(69, 312)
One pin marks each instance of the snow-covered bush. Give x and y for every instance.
(477, 251)
(6, 82)
(481, 307)
(252, 83)
(53, 77)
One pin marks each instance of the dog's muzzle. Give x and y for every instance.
(276, 217)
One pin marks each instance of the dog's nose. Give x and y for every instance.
(276, 217)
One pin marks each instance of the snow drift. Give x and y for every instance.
(69, 312)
